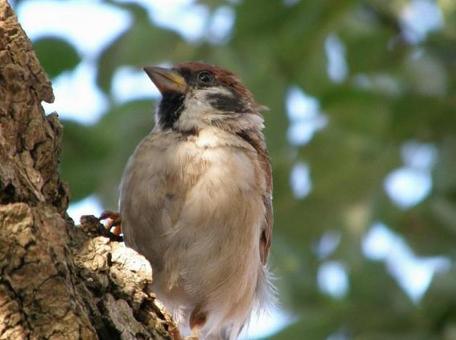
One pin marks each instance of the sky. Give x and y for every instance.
(78, 98)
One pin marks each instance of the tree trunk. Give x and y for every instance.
(57, 281)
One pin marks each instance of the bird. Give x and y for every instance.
(196, 200)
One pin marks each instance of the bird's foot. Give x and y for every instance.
(112, 224)
(197, 321)
(194, 336)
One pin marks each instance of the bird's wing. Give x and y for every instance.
(266, 232)
(256, 140)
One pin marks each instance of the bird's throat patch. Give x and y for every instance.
(170, 108)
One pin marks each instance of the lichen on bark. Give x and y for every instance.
(57, 281)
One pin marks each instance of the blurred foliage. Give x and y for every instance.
(56, 55)
(395, 92)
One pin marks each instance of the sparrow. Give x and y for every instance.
(196, 200)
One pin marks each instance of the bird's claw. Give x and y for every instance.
(112, 224)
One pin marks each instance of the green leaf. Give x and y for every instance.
(56, 55)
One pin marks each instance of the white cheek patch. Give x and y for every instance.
(198, 111)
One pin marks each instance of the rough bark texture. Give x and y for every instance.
(57, 281)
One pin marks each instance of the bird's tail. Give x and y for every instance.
(265, 301)
(265, 293)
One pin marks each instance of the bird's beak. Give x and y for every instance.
(167, 80)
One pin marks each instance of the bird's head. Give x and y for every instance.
(197, 95)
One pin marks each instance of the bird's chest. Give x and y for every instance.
(209, 167)
(204, 173)
(183, 199)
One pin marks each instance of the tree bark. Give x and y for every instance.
(57, 281)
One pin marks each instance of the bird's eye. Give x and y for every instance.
(205, 77)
